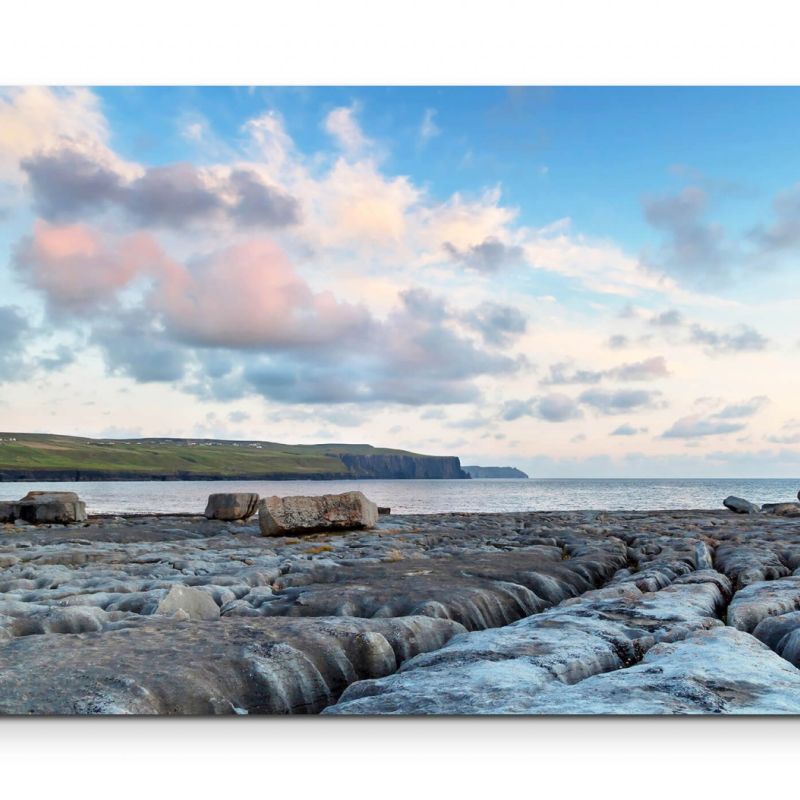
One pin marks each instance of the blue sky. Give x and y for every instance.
(577, 281)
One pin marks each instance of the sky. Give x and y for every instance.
(580, 282)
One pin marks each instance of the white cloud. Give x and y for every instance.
(428, 128)
(342, 125)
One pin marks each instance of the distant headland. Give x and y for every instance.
(494, 472)
(49, 457)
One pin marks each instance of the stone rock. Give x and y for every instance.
(162, 665)
(383, 510)
(284, 516)
(763, 599)
(41, 508)
(740, 506)
(505, 670)
(781, 634)
(702, 556)
(195, 603)
(9, 511)
(745, 563)
(231, 506)
(782, 509)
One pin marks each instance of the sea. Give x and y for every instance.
(433, 496)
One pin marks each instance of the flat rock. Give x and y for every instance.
(280, 516)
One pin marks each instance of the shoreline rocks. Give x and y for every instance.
(281, 516)
(529, 613)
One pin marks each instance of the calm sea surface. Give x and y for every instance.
(433, 496)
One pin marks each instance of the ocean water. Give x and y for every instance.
(433, 496)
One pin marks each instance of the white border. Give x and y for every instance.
(348, 42)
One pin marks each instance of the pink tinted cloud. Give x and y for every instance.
(77, 268)
(248, 295)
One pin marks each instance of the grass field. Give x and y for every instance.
(165, 457)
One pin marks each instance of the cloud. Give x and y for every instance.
(695, 426)
(286, 341)
(627, 430)
(249, 296)
(13, 331)
(561, 375)
(649, 369)
(498, 324)
(718, 423)
(557, 408)
(488, 256)
(35, 118)
(668, 319)
(553, 407)
(77, 268)
(693, 250)
(745, 409)
(619, 401)
(342, 125)
(428, 128)
(134, 346)
(62, 357)
(741, 339)
(789, 433)
(784, 232)
(618, 341)
(68, 183)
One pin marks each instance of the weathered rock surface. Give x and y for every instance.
(764, 599)
(504, 670)
(163, 666)
(781, 634)
(478, 591)
(280, 516)
(231, 506)
(740, 506)
(525, 613)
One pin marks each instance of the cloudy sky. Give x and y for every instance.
(578, 282)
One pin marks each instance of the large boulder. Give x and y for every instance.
(231, 505)
(281, 516)
(739, 505)
(41, 508)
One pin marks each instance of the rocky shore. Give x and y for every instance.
(667, 612)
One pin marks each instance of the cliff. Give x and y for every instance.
(49, 457)
(402, 466)
(494, 472)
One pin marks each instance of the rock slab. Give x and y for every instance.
(42, 508)
(282, 516)
(231, 505)
(739, 505)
